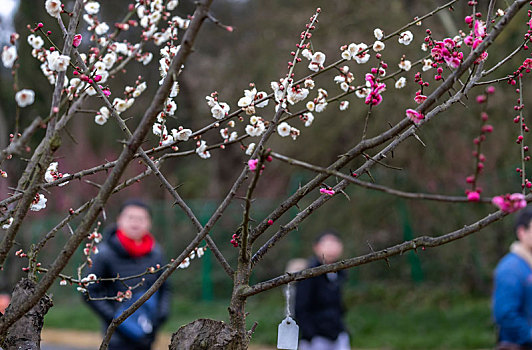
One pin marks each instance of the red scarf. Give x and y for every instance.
(136, 248)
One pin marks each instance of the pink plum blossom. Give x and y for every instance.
(415, 116)
(326, 191)
(77, 40)
(252, 164)
(509, 203)
(473, 196)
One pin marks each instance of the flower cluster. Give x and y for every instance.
(52, 174)
(357, 52)
(446, 51)
(197, 252)
(374, 97)
(252, 99)
(509, 203)
(476, 37)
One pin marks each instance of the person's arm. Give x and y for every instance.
(304, 308)
(104, 308)
(507, 306)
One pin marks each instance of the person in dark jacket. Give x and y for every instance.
(129, 249)
(512, 295)
(319, 307)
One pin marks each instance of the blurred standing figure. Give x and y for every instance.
(319, 307)
(512, 296)
(128, 250)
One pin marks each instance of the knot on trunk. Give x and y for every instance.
(204, 334)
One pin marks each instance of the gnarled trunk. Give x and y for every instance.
(26, 332)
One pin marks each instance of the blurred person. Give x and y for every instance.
(129, 249)
(319, 308)
(5, 299)
(512, 296)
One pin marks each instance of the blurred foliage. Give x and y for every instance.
(396, 316)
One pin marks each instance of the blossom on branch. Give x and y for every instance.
(25, 97)
(509, 203)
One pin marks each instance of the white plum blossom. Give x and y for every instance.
(256, 129)
(53, 7)
(308, 118)
(347, 55)
(175, 90)
(182, 134)
(171, 5)
(405, 65)
(344, 86)
(378, 46)
(7, 224)
(160, 38)
(102, 117)
(9, 55)
(427, 65)
(317, 61)
(307, 54)
(233, 136)
(167, 140)
(343, 105)
(202, 150)
(224, 133)
(378, 33)
(122, 105)
(400, 83)
(140, 89)
(146, 58)
(359, 53)
(25, 97)
(171, 107)
(310, 105)
(38, 204)
(49, 175)
(406, 37)
(92, 7)
(182, 23)
(283, 129)
(186, 263)
(320, 107)
(309, 83)
(101, 28)
(294, 133)
(219, 110)
(248, 101)
(109, 59)
(250, 149)
(35, 41)
(58, 62)
(424, 47)
(295, 95)
(362, 93)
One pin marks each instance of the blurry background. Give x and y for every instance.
(434, 298)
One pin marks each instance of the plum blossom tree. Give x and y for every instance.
(79, 68)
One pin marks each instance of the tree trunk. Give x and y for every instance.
(26, 332)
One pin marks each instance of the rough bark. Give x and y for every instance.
(26, 332)
(205, 334)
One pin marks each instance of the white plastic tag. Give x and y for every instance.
(288, 334)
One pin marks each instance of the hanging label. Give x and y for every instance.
(288, 334)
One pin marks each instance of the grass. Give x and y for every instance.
(380, 316)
